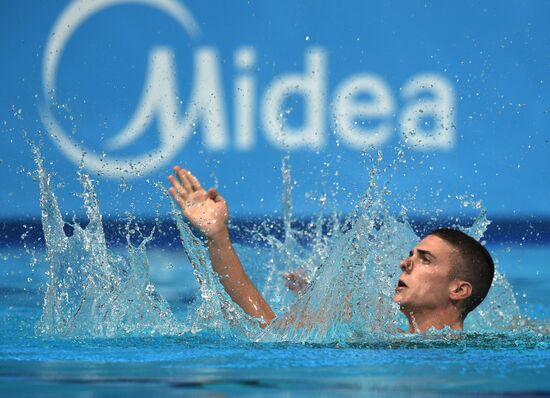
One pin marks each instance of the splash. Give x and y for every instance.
(214, 310)
(288, 252)
(92, 291)
(352, 286)
(352, 267)
(350, 297)
(499, 311)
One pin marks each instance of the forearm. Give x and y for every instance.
(208, 212)
(235, 281)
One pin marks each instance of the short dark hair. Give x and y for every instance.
(475, 265)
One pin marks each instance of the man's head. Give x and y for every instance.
(447, 272)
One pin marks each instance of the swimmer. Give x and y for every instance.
(446, 275)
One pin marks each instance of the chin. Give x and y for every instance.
(398, 298)
(402, 304)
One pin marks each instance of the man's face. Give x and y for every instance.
(425, 282)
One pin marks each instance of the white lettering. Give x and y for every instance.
(362, 106)
(349, 108)
(151, 101)
(440, 107)
(311, 85)
(244, 99)
(207, 100)
(158, 99)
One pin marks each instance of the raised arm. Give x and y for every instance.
(207, 211)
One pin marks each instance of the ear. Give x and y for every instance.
(460, 290)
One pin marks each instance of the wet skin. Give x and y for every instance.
(426, 287)
(427, 294)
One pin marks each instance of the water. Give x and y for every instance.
(109, 321)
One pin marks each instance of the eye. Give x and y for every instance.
(424, 259)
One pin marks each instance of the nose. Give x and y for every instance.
(406, 265)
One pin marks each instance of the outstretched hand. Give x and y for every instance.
(205, 210)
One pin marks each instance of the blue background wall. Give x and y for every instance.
(493, 58)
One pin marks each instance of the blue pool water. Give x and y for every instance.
(206, 364)
(84, 316)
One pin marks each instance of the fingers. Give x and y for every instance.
(182, 176)
(186, 188)
(195, 184)
(177, 190)
(177, 197)
(186, 180)
(184, 184)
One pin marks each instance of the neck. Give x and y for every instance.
(421, 321)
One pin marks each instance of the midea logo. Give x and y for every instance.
(427, 95)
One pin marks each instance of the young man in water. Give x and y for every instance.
(446, 275)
